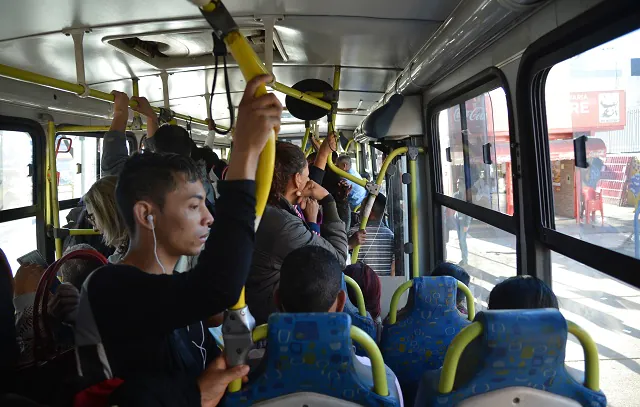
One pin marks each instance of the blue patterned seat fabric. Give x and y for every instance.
(365, 323)
(517, 348)
(312, 353)
(419, 339)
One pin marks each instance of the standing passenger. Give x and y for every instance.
(129, 312)
(283, 230)
(358, 193)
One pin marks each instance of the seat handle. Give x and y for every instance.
(471, 332)
(393, 307)
(380, 385)
(362, 309)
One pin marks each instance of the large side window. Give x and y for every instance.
(475, 154)
(593, 100)
(17, 236)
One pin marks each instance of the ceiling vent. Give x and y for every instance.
(188, 48)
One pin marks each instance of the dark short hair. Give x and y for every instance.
(522, 292)
(455, 271)
(378, 206)
(344, 159)
(210, 158)
(310, 280)
(172, 138)
(150, 176)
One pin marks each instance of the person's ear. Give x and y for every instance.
(141, 212)
(276, 299)
(341, 301)
(297, 181)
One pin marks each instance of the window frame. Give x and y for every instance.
(38, 141)
(567, 41)
(483, 82)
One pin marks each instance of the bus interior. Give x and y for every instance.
(520, 116)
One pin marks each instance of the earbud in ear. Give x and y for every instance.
(150, 219)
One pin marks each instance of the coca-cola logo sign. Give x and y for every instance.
(475, 114)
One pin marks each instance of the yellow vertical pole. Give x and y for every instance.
(53, 184)
(413, 199)
(136, 92)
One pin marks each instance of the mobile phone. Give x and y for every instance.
(33, 257)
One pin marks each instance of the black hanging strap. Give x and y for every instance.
(220, 50)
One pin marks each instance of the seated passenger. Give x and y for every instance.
(518, 292)
(311, 281)
(378, 248)
(102, 212)
(62, 307)
(457, 272)
(135, 316)
(522, 292)
(369, 282)
(358, 193)
(283, 229)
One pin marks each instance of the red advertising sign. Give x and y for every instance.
(603, 110)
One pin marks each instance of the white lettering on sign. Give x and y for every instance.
(580, 107)
(477, 114)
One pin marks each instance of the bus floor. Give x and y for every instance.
(607, 308)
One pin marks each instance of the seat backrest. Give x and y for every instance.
(519, 350)
(365, 323)
(312, 353)
(419, 339)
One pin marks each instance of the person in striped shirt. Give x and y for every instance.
(376, 241)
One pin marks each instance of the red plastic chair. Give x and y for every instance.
(593, 205)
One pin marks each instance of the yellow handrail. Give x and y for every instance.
(344, 174)
(362, 308)
(300, 95)
(380, 385)
(346, 148)
(393, 307)
(31, 77)
(452, 357)
(86, 129)
(305, 140)
(591, 360)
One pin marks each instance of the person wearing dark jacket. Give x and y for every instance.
(283, 229)
(131, 314)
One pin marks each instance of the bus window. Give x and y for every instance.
(17, 237)
(475, 152)
(77, 166)
(611, 315)
(595, 96)
(487, 253)
(16, 181)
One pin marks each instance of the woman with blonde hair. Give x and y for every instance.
(103, 213)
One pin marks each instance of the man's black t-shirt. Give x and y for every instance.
(127, 318)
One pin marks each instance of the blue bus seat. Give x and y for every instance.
(312, 353)
(419, 339)
(365, 323)
(519, 354)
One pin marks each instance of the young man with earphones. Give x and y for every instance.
(131, 313)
